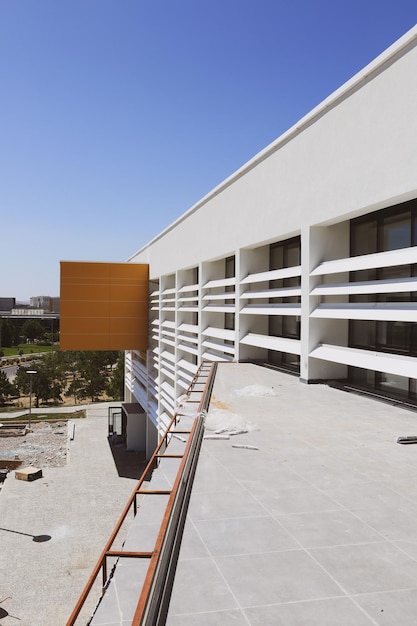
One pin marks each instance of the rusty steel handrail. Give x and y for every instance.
(152, 606)
(102, 561)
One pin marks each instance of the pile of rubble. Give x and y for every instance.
(45, 444)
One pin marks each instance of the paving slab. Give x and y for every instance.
(317, 525)
(74, 509)
(313, 522)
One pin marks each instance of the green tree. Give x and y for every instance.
(22, 381)
(93, 374)
(6, 388)
(52, 381)
(89, 374)
(47, 384)
(115, 387)
(33, 329)
(76, 389)
(9, 335)
(89, 371)
(109, 358)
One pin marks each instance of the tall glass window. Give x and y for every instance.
(396, 230)
(389, 229)
(229, 272)
(281, 255)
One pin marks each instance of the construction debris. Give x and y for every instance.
(28, 474)
(46, 445)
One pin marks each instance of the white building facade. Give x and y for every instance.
(305, 258)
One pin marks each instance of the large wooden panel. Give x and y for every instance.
(104, 306)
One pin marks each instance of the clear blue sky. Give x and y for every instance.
(116, 116)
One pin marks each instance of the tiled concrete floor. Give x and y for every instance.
(77, 506)
(317, 526)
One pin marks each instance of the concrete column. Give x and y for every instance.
(318, 244)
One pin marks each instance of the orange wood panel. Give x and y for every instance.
(104, 306)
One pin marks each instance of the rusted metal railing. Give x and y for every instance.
(153, 601)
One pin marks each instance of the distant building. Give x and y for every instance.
(47, 303)
(56, 304)
(42, 307)
(7, 304)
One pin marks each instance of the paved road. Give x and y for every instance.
(10, 371)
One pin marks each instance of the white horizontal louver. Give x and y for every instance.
(392, 258)
(219, 333)
(287, 292)
(188, 288)
(280, 344)
(385, 311)
(272, 309)
(398, 285)
(220, 308)
(189, 328)
(193, 340)
(368, 359)
(222, 282)
(212, 345)
(188, 349)
(185, 365)
(227, 295)
(286, 272)
(210, 356)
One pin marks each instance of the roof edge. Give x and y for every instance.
(408, 40)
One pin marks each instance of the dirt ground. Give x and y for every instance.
(45, 445)
(23, 402)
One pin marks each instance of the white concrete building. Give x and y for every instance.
(305, 258)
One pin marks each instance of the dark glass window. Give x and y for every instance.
(394, 336)
(389, 385)
(292, 253)
(389, 229)
(276, 325)
(364, 238)
(229, 272)
(281, 255)
(229, 321)
(229, 267)
(396, 232)
(285, 360)
(292, 326)
(363, 334)
(276, 256)
(392, 384)
(285, 253)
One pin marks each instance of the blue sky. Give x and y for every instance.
(116, 116)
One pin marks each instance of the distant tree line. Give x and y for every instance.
(81, 375)
(15, 331)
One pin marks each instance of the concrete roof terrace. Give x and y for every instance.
(315, 525)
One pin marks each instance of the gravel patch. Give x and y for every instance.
(44, 445)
